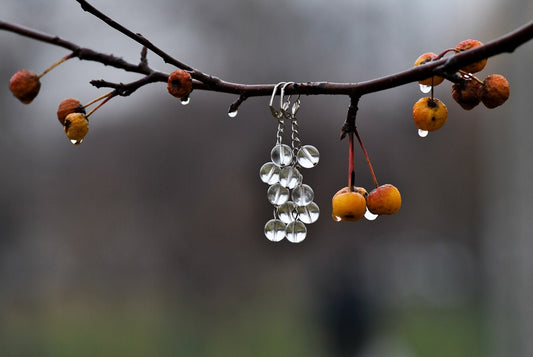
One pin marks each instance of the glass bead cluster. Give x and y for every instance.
(291, 198)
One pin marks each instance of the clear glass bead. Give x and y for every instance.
(275, 230)
(277, 194)
(287, 212)
(308, 214)
(269, 173)
(290, 177)
(281, 155)
(296, 232)
(308, 156)
(302, 195)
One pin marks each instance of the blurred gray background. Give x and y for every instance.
(147, 239)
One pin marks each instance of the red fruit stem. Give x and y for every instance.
(107, 97)
(351, 162)
(55, 65)
(443, 53)
(367, 158)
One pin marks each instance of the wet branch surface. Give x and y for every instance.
(446, 67)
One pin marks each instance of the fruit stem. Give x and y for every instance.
(107, 97)
(98, 99)
(367, 158)
(55, 65)
(351, 162)
(445, 52)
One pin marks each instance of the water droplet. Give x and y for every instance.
(290, 177)
(277, 194)
(308, 214)
(308, 156)
(422, 133)
(275, 230)
(425, 89)
(303, 195)
(287, 212)
(185, 101)
(370, 216)
(233, 114)
(269, 173)
(76, 142)
(296, 232)
(336, 218)
(281, 155)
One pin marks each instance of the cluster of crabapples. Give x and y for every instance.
(430, 114)
(25, 86)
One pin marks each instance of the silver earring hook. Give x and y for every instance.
(274, 112)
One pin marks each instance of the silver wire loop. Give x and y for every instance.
(275, 113)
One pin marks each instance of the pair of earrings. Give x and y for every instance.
(292, 199)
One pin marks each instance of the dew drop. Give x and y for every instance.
(370, 216)
(336, 218)
(275, 230)
(425, 89)
(186, 101)
(76, 142)
(233, 114)
(422, 133)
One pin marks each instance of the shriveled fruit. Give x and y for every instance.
(466, 45)
(494, 91)
(25, 85)
(348, 205)
(385, 199)
(425, 58)
(179, 84)
(466, 93)
(67, 106)
(429, 114)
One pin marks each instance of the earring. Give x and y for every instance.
(292, 199)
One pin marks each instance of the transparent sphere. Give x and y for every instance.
(275, 230)
(308, 156)
(308, 214)
(281, 155)
(290, 177)
(277, 194)
(287, 212)
(269, 173)
(302, 195)
(296, 232)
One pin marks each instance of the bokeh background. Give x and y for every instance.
(147, 239)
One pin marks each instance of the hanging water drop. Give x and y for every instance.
(370, 216)
(76, 142)
(185, 101)
(296, 232)
(233, 114)
(425, 89)
(275, 230)
(422, 133)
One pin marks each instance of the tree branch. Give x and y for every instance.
(446, 67)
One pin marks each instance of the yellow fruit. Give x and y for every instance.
(76, 127)
(429, 114)
(426, 57)
(466, 45)
(385, 199)
(348, 205)
(25, 85)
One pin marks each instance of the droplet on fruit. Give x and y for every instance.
(422, 133)
(425, 89)
(370, 216)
